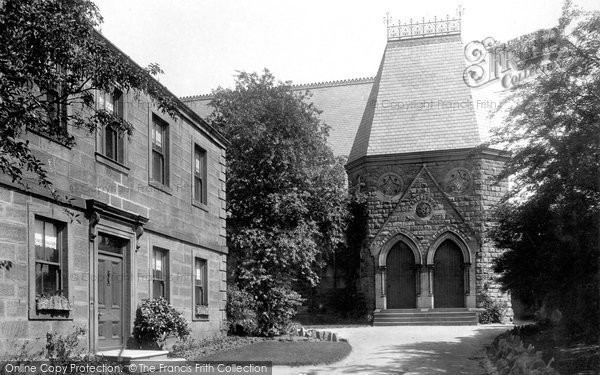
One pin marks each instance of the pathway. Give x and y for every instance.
(408, 350)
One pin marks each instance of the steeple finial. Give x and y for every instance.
(423, 28)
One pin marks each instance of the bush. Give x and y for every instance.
(494, 311)
(276, 307)
(64, 348)
(241, 312)
(155, 320)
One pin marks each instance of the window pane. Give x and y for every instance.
(39, 239)
(199, 295)
(158, 289)
(157, 167)
(47, 279)
(112, 244)
(109, 143)
(51, 242)
(118, 103)
(109, 107)
(198, 189)
(100, 97)
(157, 137)
(198, 271)
(120, 149)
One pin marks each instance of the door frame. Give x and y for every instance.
(415, 275)
(458, 239)
(381, 276)
(463, 290)
(129, 279)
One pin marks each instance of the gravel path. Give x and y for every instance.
(408, 350)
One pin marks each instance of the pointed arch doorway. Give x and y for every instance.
(448, 283)
(400, 274)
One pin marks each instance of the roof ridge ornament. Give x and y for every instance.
(421, 29)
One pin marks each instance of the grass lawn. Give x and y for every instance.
(290, 353)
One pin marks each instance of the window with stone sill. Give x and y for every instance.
(55, 108)
(112, 143)
(160, 273)
(50, 267)
(200, 287)
(159, 154)
(200, 194)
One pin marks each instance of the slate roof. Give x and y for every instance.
(418, 101)
(342, 104)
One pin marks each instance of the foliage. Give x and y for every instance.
(155, 320)
(52, 57)
(277, 309)
(241, 312)
(549, 223)
(64, 348)
(18, 353)
(494, 310)
(285, 191)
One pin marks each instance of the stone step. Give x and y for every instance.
(425, 318)
(393, 317)
(389, 313)
(132, 355)
(425, 309)
(429, 323)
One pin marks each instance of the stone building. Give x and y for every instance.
(429, 186)
(412, 135)
(149, 221)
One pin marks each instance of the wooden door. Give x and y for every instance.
(448, 283)
(400, 276)
(111, 292)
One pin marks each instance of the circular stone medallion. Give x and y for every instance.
(390, 184)
(423, 209)
(458, 181)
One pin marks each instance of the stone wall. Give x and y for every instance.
(83, 175)
(455, 193)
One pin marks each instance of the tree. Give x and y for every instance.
(51, 58)
(550, 221)
(285, 192)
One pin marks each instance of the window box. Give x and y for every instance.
(53, 303)
(201, 310)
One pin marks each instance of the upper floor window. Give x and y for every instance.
(57, 108)
(50, 258)
(199, 175)
(160, 273)
(112, 143)
(160, 151)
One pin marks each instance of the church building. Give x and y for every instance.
(413, 137)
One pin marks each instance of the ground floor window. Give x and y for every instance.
(160, 273)
(50, 258)
(200, 281)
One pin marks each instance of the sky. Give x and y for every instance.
(200, 44)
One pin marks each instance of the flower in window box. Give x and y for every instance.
(201, 309)
(54, 303)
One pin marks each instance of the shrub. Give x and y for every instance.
(241, 312)
(155, 320)
(276, 307)
(494, 311)
(64, 348)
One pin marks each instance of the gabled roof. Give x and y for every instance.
(342, 104)
(419, 101)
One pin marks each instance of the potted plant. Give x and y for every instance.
(53, 302)
(201, 310)
(156, 321)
